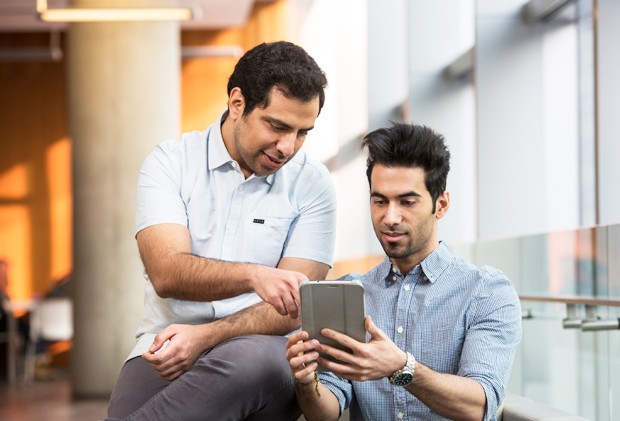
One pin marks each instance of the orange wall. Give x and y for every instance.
(35, 173)
(35, 149)
(361, 265)
(204, 80)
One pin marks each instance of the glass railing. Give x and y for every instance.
(569, 284)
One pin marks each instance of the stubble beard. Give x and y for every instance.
(415, 242)
(397, 251)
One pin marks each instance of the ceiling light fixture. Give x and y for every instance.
(113, 15)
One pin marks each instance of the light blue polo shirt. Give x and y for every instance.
(194, 182)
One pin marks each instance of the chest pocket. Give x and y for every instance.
(265, 239)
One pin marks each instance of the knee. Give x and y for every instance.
(265, 363)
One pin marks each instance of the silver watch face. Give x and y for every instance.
(403, 379)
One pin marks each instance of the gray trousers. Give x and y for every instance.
(245, 378)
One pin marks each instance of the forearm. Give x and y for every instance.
(175, 272)
(453, 397)
(314, 407)
(188, 277)
(259, 319)
(187, 342)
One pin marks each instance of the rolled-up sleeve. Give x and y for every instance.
(492, 338)
(341, 388)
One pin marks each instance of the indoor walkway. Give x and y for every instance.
(48, 400)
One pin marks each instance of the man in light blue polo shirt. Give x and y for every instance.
(229, 222)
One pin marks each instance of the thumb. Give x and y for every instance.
(161, 338)
(375, 332)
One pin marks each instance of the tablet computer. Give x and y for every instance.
(337, 305)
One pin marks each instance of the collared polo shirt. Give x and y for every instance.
(194, 182)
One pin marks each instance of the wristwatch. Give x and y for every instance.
(404, 376)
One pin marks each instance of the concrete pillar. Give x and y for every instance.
(124, 97)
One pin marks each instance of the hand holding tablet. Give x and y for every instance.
(336, 305)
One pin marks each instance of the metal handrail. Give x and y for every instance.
(592, 322)
(591, 301)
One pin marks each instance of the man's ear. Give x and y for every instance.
(442, 205)
(236, 103)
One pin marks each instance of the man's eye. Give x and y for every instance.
(378, 202)
(277, 127)
(408, 202)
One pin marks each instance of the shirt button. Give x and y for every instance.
(393, 278)
(400, 415)
(407, 287)
(400, 329)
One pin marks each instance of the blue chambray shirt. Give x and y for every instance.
(452, 316)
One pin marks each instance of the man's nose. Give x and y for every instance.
(392, 215)
(286, 144)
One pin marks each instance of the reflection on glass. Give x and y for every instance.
(569, 369)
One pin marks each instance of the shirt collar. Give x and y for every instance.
(218, 154)
(437, 262)
(432, 266)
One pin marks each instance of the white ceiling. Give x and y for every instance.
(20, 15)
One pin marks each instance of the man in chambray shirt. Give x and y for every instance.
(229, 222)
(442, 333)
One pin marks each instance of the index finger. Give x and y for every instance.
(341, 338)
(296, 337)
(295, 307)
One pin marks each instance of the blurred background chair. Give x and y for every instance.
(8, 339)
(51, 320)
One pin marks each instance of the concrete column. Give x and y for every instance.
(124, 97)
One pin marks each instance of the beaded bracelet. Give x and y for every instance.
(316, 384)
(315, 380)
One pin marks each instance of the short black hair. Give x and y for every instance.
(410, 146)
(282, 64)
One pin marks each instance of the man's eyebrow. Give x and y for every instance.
(400, 196)
(409, 194)
(284, 124)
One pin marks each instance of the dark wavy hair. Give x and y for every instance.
(410, 146)
(281, 64)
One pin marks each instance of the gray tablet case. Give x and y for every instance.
(338, 305)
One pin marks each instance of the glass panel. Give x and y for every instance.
(535, 265)
(550, 359)
(503, 255)
(569, 369)
(613, 261)
(608, 400)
